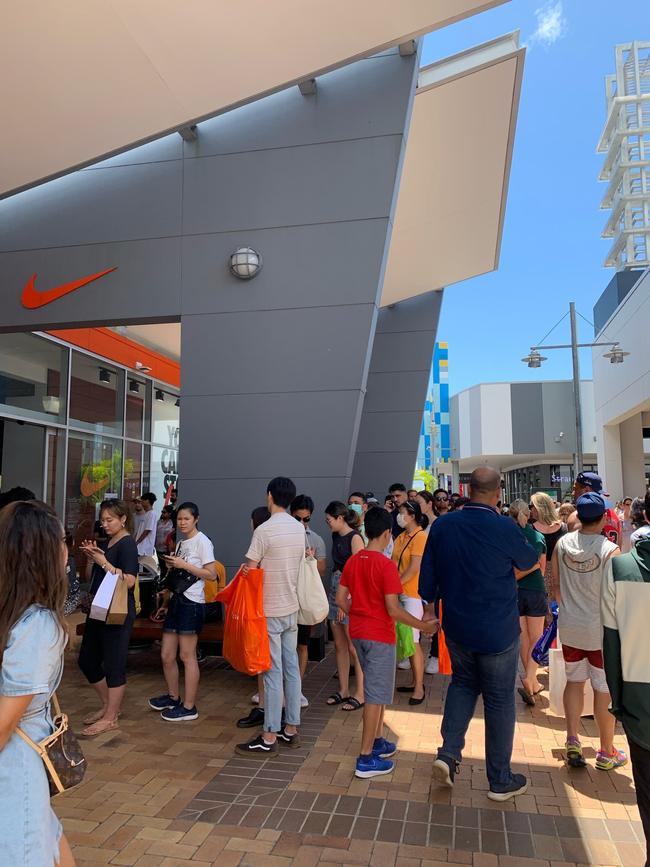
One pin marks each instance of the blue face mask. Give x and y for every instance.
(356, 508)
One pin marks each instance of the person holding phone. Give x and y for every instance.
(104, 647)
(184, 609)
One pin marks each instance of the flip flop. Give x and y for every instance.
(92, 718)
(526, 696)
(354, 703)
(100, 728)
(335, 698)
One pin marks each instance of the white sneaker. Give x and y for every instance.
(255, 699)
(432, 665)
(304, 701)
(404, 665)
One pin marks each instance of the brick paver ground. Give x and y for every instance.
(167, 794)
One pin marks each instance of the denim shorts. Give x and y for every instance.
(334, 609)
(532, 603)
(184, 616)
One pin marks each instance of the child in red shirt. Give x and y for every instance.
(369, 594)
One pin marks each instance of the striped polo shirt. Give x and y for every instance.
(278, 545)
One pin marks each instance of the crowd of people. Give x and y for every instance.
(473, 574)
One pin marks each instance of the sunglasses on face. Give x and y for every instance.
(442, 499)
(304, 520)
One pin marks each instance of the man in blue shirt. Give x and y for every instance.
(469, 563)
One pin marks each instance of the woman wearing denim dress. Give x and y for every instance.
(33, 590)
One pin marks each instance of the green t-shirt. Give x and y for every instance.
(534, 581)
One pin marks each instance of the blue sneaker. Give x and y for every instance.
(180, 713)
(372, 766)
(383, 749)
(163, 702)
(517, 786)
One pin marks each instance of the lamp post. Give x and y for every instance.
(535, 359)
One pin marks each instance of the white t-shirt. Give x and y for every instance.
(146, 521)
(583, 560)
(278, 545)
(197, 551)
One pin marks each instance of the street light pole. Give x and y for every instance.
(578, 456)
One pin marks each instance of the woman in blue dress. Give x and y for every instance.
(33, 589)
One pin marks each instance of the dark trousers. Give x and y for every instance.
(641, 769)
(491, 675)
(104, 650)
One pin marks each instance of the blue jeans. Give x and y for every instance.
(491, 675)
(283, 636)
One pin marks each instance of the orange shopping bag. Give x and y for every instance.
(245, 638)
(444, 659)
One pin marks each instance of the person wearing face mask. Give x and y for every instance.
(407, 556)
(358, 503)
(398, 492)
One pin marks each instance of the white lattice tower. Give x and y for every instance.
(626, 143)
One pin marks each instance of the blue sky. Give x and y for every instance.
(552, 252)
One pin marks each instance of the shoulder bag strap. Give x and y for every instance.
(399, 562)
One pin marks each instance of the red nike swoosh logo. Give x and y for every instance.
(88, 488)
(31, 299)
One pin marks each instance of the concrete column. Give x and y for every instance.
(632, 456)
(610, 466)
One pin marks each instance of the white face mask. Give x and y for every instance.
(401, 521)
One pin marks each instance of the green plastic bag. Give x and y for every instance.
(405, 643)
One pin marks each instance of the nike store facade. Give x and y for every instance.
(76, 427)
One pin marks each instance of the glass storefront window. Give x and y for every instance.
(94, 472)
(132, 471)
(33, 377)
(136, 399)
(96, 395)
(165, 415)
(164, 470)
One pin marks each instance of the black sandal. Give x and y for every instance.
(335, 698)
(526, 696)
(354, 703)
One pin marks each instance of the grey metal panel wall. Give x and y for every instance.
(559, 417)
(527, 418)
(397, 386)
(274, 370)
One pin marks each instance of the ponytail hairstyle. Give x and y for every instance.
(413, 508)
(337, 509)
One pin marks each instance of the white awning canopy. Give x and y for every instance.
(83, 81)
(452, 195)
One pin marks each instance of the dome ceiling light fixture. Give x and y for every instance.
(245, 263)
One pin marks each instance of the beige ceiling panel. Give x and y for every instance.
(82, 80)
(451, 202)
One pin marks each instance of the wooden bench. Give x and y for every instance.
(146, 630)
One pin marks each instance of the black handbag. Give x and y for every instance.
(65, 763)
(179, 580)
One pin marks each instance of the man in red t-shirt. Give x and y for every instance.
(587, 483)
(369, 594)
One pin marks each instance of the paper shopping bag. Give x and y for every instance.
(119, 609)
(103, 598)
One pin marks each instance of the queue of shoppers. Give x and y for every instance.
(417, 559)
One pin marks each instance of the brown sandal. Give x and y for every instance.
(100, 727)
(94, 717)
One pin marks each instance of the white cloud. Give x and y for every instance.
(551, 24)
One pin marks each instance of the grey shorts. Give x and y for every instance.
(377, 660)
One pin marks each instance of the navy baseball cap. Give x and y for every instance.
(590, 480)
(590, 506)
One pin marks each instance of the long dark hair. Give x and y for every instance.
(31, 564)
(337, 509)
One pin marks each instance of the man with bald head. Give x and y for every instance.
(468, 564)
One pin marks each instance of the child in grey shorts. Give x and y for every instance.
(369, 595)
